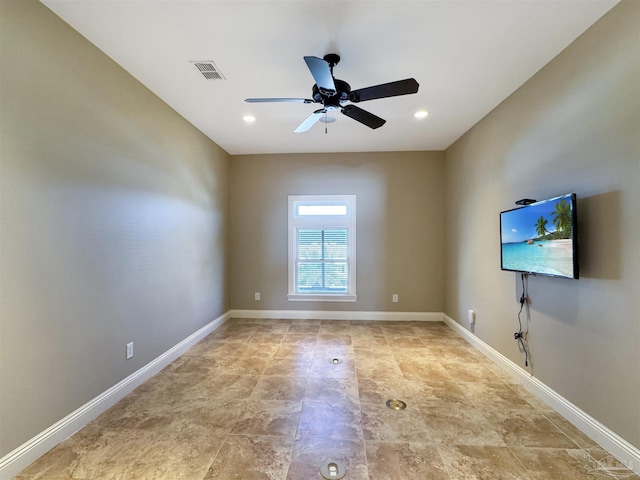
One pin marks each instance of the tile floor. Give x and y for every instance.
(262, 399)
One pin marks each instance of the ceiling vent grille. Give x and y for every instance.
(209, 70)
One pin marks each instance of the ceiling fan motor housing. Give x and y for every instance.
(343, 89)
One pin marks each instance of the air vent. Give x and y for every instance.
(209, 70)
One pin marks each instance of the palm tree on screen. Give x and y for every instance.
(541, 226)
(562, 216)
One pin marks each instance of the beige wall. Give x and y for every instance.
(113, 216)
(574, 127)
(399, 235)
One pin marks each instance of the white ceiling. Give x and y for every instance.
(468, 56)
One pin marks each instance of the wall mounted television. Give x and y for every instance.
(541, 238)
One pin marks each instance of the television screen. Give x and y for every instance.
(541, 238)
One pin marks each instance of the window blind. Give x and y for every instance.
(322, 260)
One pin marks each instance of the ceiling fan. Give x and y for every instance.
(334, 94)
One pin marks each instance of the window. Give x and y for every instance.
(322, 248)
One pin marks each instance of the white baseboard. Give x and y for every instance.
(617, 446)
(27, 453)
(339, 315)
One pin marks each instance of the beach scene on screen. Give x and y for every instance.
(539, 238)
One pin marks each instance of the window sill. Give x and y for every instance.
(307, 297)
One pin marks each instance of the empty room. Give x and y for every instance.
(319, 239)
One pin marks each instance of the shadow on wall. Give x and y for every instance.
(599, 225)
(553, 297)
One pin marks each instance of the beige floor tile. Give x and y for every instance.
(136, 454)
(215, 349)
(379, 390)
(453, 348)
(306, 321)
(289, 366)
(460, 426)
(198, 364)
(422, 356)
(329, 389)
(220, 387)
(373, 351)
(330, 420)
(262, 337)
(304, 329)
(226, 335)
(296, 350)
(569, 430)
(261, 399)
(245, 457)
(300, 339)
(528, 429)
(366, 340)
(471, 371)
(333, 339)
(406, 461)
(498, 396)
(309, 454)
(246, 365)
(273, 387)
(324, 365)
(380, 423)
(380, 367)
(438, 394)
(365, 329)
(416, 370)
(268, 417)
(480, 462)
(325, 353)
(280, 327)
(335, 329)
(262, 350)
(40, 467)
(404, 341)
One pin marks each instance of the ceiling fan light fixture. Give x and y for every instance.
(420, 114)
(327, 119)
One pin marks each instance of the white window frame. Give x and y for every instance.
(297, 222)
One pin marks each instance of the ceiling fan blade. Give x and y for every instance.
(310, 121)
(384, 90)
(364, 117)
(269, 100)
(322, 75)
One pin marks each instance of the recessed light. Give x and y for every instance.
(249, 118)
(421, 114)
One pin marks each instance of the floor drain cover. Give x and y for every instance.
(332, 469)
(335, 361)
(396, 404)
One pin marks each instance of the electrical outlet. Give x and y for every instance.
(394, 298)
(129, 350)
(257, 296)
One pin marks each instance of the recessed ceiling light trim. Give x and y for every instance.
(421, 114)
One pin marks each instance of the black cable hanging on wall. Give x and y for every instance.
(521, 336)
